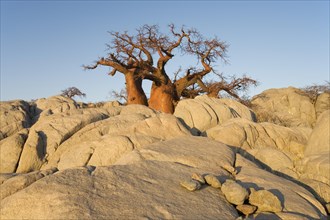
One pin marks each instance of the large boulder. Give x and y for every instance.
(247, 135)
(289, 107)
(50, 132)
(203, 112)
(11, 149)
(55, 104)
(14, 116)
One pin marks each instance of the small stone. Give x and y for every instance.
(198, 177)
(230, 169)
(212, 181)
(246, 209)
(191, 185)
(234, 192)
(265, 201)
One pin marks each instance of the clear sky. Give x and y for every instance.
(45, 43)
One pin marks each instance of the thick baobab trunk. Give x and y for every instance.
(135, 93)
(162, 98)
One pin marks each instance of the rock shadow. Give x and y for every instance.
(42, 145)
(194, 131)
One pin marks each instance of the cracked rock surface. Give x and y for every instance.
(61, 160)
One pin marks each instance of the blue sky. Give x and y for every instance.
(45, 43)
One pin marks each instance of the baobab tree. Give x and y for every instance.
(232, 87)
(145, 55)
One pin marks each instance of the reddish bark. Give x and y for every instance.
(135, 93)
(162, 98)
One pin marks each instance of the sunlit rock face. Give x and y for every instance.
(203, 112)
(289, 107)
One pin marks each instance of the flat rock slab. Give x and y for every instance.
(198, 152)
(149, 190)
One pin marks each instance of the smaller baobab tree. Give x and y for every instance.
(231, 86)
(120, 96)
(71, 92)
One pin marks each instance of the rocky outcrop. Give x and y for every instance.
(48, 133)
(289, 152)
(203, 112)
(289, 107)
(247, 135)
(112, 161)
(104, 142)
(154, 181)
(54, 104)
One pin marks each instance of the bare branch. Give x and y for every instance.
(114, 63)
(176, 73)
(315, 90)
(121, 95)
